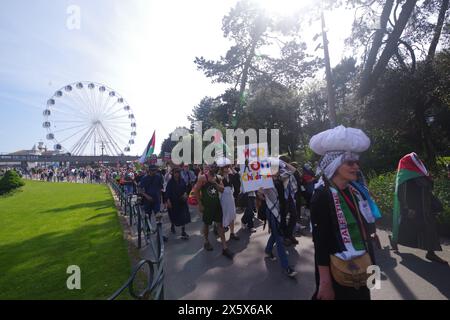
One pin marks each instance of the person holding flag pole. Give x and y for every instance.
(149, 150)
(151, 185)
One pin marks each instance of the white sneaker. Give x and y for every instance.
(290, 273)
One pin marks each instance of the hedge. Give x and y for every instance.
(10, 181)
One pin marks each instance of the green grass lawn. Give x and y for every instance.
(46, 227)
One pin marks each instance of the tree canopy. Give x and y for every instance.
(395, 86)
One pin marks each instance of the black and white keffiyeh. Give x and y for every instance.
(332, 160)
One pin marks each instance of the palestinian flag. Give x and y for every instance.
(149, 150)
(409, 167)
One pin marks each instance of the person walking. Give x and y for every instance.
(189, 178)
(236, 182)
(150, 188)
(129, 182)
(342, 216)
(207, 191)
(226, 197)
(415, 209)
(249, 212)
(288, 208)
(270, 205)
(176, 197)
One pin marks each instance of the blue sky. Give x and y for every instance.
(143, 49)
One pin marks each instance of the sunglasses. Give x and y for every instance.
(351, 163)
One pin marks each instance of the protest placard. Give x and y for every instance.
(256, 171)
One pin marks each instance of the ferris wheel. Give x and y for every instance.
(87, 118)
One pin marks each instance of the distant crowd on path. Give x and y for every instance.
(73, 175)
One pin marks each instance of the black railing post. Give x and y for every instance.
(139, 227)
(160, 258)
(155, 286)
(130, 210)
(127, 203)
(124, 200)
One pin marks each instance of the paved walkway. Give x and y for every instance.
(193, 273)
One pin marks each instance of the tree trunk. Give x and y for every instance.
(247, 64)
(330, 83)
(437, 30)
(377, 40)
(248, 61)
(371, 79)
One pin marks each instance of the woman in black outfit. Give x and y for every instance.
(341, 217)
(327, 242)
(176, 195)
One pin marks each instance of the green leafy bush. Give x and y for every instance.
(442, 192)
(382, 188)
(10, 181)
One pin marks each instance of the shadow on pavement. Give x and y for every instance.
(436, 274)
(388, 265)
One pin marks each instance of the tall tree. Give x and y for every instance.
(204, 112)
(401, 31)
(276, 107)
(408, 33)
(254, 33)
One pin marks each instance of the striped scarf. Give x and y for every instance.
(348, 227)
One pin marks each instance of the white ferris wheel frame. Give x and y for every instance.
(85, 115)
